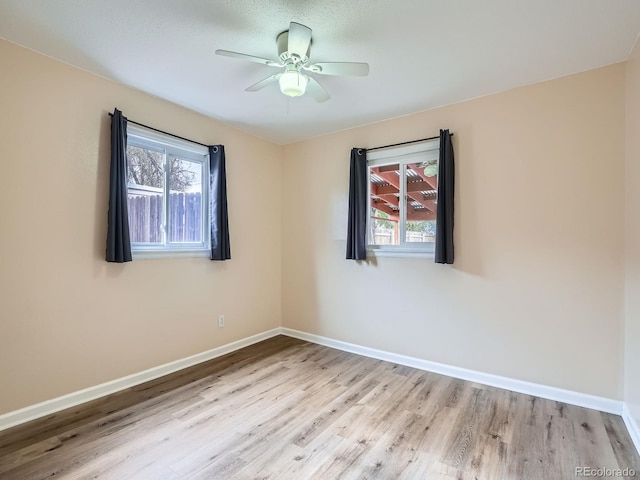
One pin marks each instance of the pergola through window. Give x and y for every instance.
(403, 197)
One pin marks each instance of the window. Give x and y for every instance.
(167, 195)
(403, 196)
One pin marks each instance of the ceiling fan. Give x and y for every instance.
(294, 48)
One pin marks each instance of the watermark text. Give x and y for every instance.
(605, 472)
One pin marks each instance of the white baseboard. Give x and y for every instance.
(54, 405)
(632, 426)
(552, 393)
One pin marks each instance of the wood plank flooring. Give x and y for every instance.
(287, 409)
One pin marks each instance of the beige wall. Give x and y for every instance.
(536, 292)
(69, 320)
(632, 297)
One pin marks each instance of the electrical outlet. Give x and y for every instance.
(221, 321)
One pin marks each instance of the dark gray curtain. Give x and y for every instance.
(220, 247)
(446, 185)
(357, 223)
(118, 241)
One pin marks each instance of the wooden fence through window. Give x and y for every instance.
(184, 223)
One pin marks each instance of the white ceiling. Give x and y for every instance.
(422, 53)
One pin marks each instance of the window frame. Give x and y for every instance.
(403, 155)
(138, 136)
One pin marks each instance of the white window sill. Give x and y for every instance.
(400, 253)
(172, 253)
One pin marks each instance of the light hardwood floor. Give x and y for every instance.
(287, 409)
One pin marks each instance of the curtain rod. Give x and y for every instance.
(162, 131)
(402, 143)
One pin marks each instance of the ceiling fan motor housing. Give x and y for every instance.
(283, 50)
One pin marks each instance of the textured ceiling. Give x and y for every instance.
(422, 53)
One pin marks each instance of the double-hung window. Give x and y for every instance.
(403, 195)
(167, 195)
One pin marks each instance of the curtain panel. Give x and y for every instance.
(444, 208)
(220, 246)
(118, 241)
(357, 219)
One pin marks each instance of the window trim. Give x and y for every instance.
(402, 156)
(139, 136)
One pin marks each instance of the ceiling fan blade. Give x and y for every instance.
(299, 39)
(251, 58)
(340, 68)
(263, 83)
(317, 91)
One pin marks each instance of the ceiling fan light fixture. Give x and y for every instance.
(293, 83)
